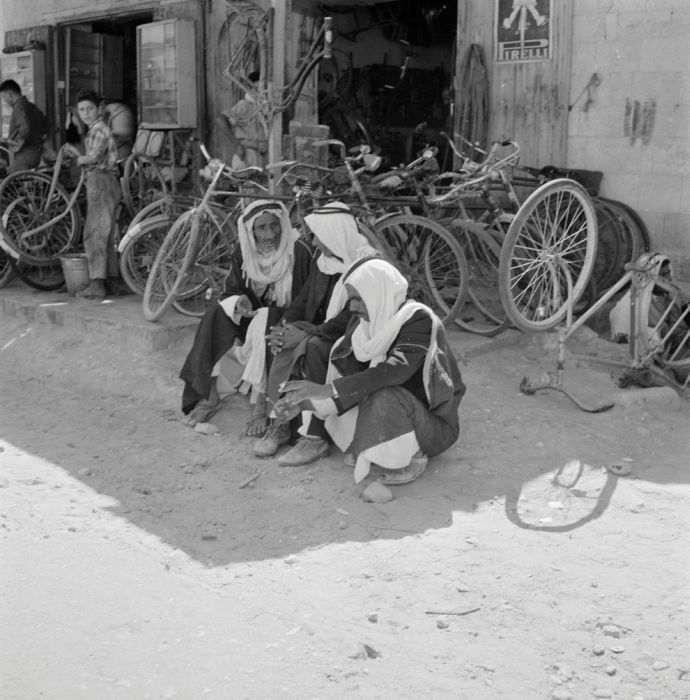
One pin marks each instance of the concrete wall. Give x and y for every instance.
(633, 120)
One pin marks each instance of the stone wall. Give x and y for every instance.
(630, 111)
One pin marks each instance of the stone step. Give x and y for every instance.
(118, 320)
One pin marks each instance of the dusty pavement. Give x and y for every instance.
(136, 565)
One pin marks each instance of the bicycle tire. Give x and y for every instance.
(45, 278)
(171, 203)
(6, 269)
(642, 232)
(172, 261)
(138, 254)
(205, 278)
(483, 313)
(142, 183)
(611, 246)
(552, 238)
(430, 258)
(634, 243)
(24, 207)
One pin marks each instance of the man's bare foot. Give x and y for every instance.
(257, 425)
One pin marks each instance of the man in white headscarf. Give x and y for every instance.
(392, 385)
(297, 344)
(269, 268)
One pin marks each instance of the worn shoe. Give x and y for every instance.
(278, 434)
(94, 290)
(305, 451)
(398, 477)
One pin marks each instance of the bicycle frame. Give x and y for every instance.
(70, 204)
(642, 347)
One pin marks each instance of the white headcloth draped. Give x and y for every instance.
(273, 269)
(336, 227)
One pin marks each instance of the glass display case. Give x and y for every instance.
(167, 75)
(27, 69)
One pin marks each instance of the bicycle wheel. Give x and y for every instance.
(142, 183)
(25, 208)
(548, 255)
(431, 260)
(173, 259)
(483, 312)
(140, 250)
(205, 278)
(6, 269)
(45, 278)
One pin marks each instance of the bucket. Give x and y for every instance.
(76, 271)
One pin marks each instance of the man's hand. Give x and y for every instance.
(284, 336)
(244, 307)
(299, 395)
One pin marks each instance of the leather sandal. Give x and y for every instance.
(398, 477)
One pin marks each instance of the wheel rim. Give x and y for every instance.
(550, 255)
(143, 184)
(137, 259)
(204, 279)
(483, 313)
(430, 259)
(25, 206)
(169, 267)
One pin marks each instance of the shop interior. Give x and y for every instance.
(392, 71)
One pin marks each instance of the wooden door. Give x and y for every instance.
(528, 99)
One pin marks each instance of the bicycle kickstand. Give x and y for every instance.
(553, 381)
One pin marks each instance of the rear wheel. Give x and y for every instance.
(6, 269)
(431, 260)
(483, 312)
(548, 255)
(142, 183)
(46, 278)
(36, 227)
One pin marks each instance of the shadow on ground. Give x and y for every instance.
(109, 416)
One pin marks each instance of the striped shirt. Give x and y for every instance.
(99, 143)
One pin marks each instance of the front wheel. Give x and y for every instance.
(548, 255)
(174, 258)
(431, 260)
(205, 278)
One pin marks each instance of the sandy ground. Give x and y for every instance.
(135, 564)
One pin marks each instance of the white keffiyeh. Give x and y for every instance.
(335, 226)
(275, 269)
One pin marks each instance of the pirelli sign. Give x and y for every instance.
(523, 30)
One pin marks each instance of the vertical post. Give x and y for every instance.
(281, 14)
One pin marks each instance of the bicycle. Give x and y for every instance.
(464, 202)
(423, 250)
(40, 220)
(193, 259)
(142, 239)
(661, 349)
(158, 158)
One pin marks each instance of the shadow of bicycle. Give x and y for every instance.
(561, 500)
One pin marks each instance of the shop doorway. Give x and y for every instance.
(100, 55)
(393, 73)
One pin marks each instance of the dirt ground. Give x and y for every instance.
(138, 562)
